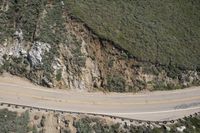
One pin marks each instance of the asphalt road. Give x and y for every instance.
(165, 105)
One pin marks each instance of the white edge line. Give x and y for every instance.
(157, 112)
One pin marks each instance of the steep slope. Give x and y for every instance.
(42, 41)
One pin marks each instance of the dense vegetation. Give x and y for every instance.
(24, 15)
(159, 31)
(94, 125)
(11, 122)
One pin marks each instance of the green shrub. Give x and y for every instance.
(35, 129)
(116, 83)
(59, 75)
(159, 85)
(16, 66)
(83, 126)
(42, 122)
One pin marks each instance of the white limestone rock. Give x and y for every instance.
(37, 51)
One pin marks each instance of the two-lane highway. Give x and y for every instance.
(165, 105)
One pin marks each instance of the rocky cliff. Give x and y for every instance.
(42, 41)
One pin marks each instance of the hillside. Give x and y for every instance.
(161, 31)
(89, 45)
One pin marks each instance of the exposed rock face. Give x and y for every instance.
(36, 52)
(60, 51)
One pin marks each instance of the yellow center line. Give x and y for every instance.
(167, 101)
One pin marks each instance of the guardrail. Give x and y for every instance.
(93, 114)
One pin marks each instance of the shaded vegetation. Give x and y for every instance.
(16, 66)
